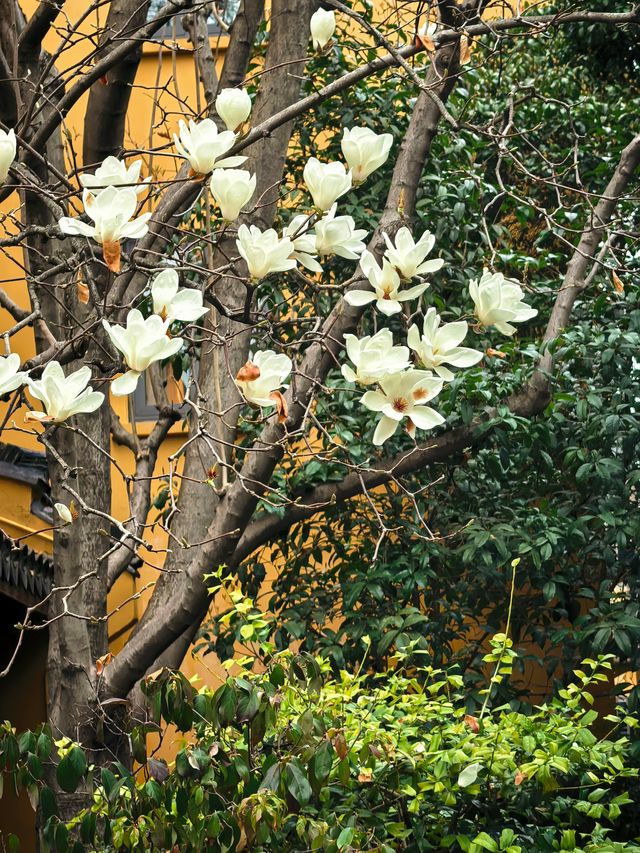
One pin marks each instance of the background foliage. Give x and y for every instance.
(559, 490)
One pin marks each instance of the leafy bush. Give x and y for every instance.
(286, 760)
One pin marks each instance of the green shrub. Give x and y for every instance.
(288, 760)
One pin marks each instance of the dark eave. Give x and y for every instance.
(25, 575)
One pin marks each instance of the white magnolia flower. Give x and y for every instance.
(264, 252)
(403, 395)
(323, 26)
(114, 173)
(326, 181)
(63, 396)
(408, 257)
(365, 151)
(338, 235)
(374, 357)
(232, 189)
(203, 146)
(141, 343)
(234, 107)
(440, 345)
(304, 242)
(10, 377)
(172, 303)
(261, 378)
(112, 210)
(498, 302)
(385, 282)
(64, 512)
(7, 152)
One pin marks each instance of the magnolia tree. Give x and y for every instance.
(129, 271)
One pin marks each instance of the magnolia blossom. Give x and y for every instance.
(141, 343)
(385, 282)
(499, 302)
(64, 512)
(304, 242)
(111, 210)
(403, 395)
(234, 107)
(171, 303)
(10, 377)
(203, 146)
(326, 181)
(264, 252)
(232, 189)
(7, 152)
(408, 257)
(261, 378)
(114, 173)
(63, 396)
(323, 26)
(338, 235)
(439, 345)
(374, 357)
(365, 151)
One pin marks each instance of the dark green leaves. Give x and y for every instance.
(71, 769)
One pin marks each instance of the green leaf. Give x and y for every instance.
(297, 783)
(320, 765)
(345, 838)
(48, 804)
(71, 769)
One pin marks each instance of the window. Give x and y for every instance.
(226, 12)
(144, 404)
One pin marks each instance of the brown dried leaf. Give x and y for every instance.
(365, 775)
(472, 722)
(248, 373)
(105, 660)
(340, 745)
(426, 42)
(519, 778)
(496, 353)
(465, 50)
(617, 282)
(83, 292)
(281, 406)
(111, 254)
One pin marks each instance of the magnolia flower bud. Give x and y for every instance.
(64, 512)
(326, 182)
(498, 302)
(232, 189)
(7, 152)
(234, 107)
(63, 396)
(365, 151)
(264, 252)
(323, 26)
